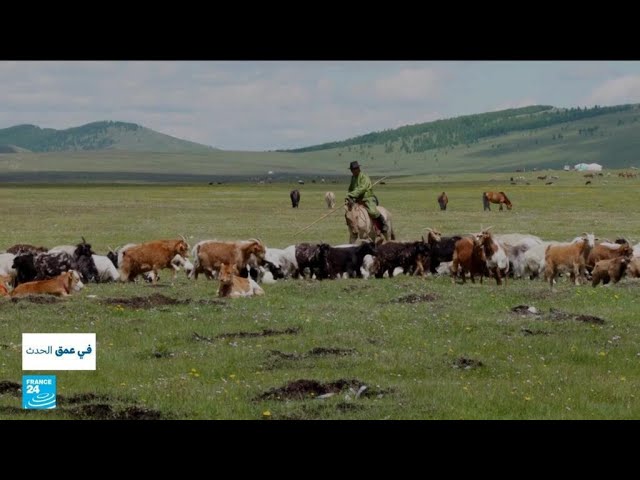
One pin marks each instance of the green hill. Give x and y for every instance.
(469, 129)
(105, 135)
(539, 137)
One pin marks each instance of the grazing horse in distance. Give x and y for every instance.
(295, 198)
(495, 197)
(330, 199)
(443, 200)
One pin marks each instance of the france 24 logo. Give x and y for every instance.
(38, 391)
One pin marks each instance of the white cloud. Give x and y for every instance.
(410, 84)
(620, 90)
(248, 105)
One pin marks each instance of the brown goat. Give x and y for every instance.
(62, 285)
(209, 255)
(151, 256)
(609, 270)
(571, 256)
(468, 256)
(607, 251)
(234, 286)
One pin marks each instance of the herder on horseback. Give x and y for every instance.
(361, 191)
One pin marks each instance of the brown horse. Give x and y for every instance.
(443, 200)
(495, 197)
(360, 224)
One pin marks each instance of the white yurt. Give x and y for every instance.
(590, 167)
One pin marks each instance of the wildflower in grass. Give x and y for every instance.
(623, 379)
(266, 414)
(603, 354)
(527, 399)
(233, 375)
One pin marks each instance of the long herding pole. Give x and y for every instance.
(332, 211)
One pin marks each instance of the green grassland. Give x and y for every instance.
(183, 362)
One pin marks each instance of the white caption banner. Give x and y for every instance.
(59, 351)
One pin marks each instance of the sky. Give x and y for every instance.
(269, 105)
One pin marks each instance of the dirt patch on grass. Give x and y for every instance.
(415, 298)
(525, 310)
(467, 363)
(302, 389)
(316, 352)
(308, 389)
(87, 406)
(528, 331)
(554, 314)
(153, 300)
(12, 388)
(162, 354)
(40, 299)
(560, 315)
(267, 332)
(589, 319)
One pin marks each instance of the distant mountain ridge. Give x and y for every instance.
(468, 129)
(103, 135)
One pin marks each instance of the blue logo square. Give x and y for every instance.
(38, 391)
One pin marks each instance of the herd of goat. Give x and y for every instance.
(241, 265)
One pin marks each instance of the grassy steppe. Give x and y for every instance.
(409, 340)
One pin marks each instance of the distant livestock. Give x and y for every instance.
(330, 199)
(295, 198)
(443, 200)
(495, 197)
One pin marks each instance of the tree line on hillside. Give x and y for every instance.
(468, 129)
